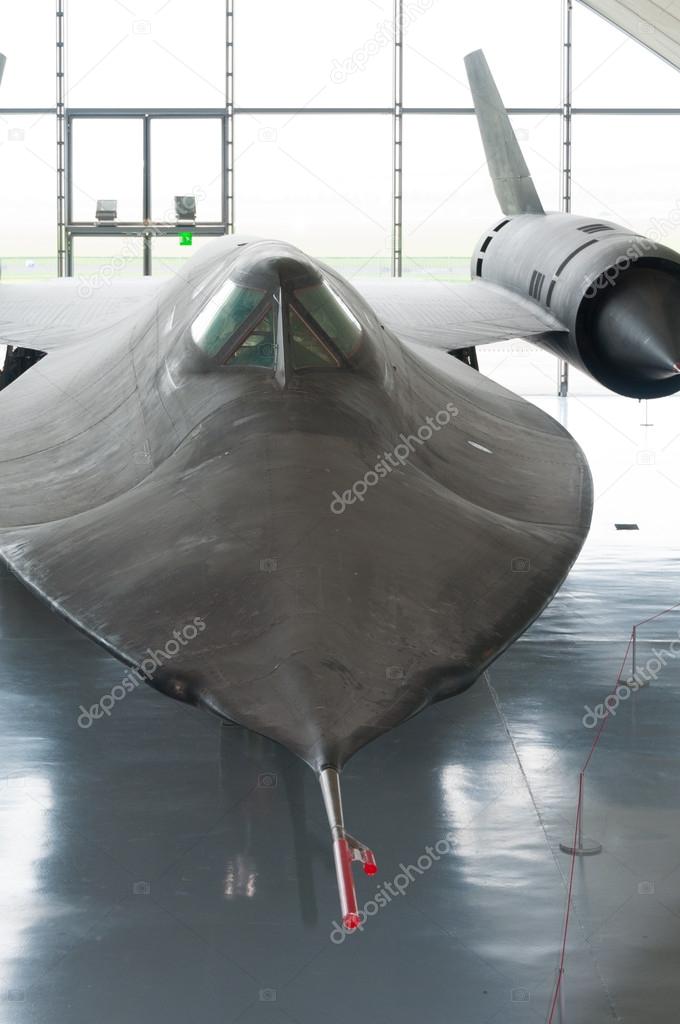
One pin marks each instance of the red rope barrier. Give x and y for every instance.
(579, 808)
(565, 930)
(604, 721)
(658, 615)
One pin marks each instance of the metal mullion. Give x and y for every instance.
(397, 138)
(62, 243)
(567, 66)
(146, 195)
(228, 129)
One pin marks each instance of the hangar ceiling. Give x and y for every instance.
(654, 24)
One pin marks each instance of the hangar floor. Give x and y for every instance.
(161, 867)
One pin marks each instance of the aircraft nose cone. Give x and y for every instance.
(637, 324)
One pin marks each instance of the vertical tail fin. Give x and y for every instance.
(512, 181)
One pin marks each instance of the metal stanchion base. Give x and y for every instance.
(588, 848)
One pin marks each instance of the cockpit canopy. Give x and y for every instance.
(279, 310)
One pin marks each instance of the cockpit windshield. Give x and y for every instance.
(258, 347)
(332, 314)
(308, 349)
(241, 325)
(228, 310)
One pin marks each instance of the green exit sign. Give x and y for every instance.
(186, 238)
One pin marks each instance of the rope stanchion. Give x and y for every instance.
(581, 846)
(584, 847)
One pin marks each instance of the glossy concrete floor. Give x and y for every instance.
(160, 867)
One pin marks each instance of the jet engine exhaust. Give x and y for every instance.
(635, 325)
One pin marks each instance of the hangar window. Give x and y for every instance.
(228, 311)
(328, 312)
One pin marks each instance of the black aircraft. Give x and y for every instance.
(359, 522)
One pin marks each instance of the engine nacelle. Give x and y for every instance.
(616, 292)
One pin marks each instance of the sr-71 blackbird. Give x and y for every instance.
(362, 521)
